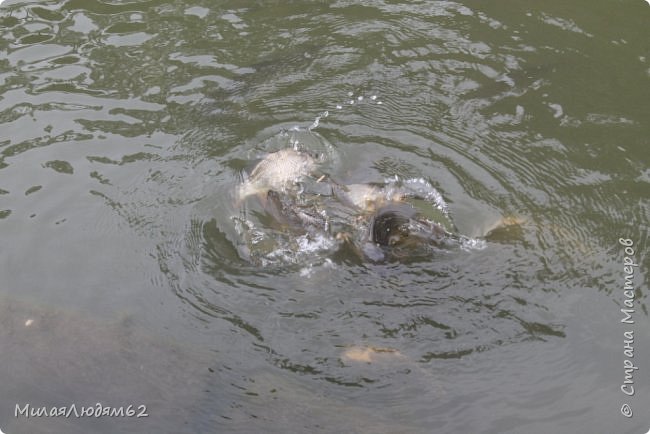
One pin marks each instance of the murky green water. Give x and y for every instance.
(124, 130)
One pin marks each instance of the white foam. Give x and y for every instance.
(310, 244)
(468, 244)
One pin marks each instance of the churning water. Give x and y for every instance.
(131, 275)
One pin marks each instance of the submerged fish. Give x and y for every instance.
(278, 171)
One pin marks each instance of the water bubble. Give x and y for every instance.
(374, 97)
(360, 98)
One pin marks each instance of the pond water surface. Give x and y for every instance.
(125, 129)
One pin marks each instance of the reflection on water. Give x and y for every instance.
(125, 131)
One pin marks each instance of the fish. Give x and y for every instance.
(289, 214)
(394, 220)
(399, 223)
(278, 171)
(365, 197)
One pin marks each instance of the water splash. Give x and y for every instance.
(358, 99)
(317, 120)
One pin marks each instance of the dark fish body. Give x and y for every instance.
(399, 223)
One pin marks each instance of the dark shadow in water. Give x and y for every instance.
(55, 358)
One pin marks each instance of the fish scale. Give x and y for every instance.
(278, 171)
